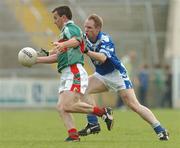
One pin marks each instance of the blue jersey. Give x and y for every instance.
(104, 44)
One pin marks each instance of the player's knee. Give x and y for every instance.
(67, 108)
(59, 107)
(131, 102)
(63, 107)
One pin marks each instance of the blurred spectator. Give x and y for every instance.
(159, 84)
(167, 99)
(143, 80)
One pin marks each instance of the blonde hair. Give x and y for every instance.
(98, 21)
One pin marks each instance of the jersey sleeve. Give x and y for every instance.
(73, 31)
(107, 47)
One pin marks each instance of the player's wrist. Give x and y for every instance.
(62, 45)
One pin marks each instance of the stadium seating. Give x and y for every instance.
(138, 25)
(128, 23)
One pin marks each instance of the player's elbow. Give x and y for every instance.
(76, 42)
(103, 59)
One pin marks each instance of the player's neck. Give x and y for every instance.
(94, 38)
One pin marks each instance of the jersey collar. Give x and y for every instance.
(98, 37)
(68, 22)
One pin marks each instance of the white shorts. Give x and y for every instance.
(115, 80)
(74, 78)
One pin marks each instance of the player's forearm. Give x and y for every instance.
(47, 59)
(64, 45)
(51, 52)
(70, 43)
(98, 56)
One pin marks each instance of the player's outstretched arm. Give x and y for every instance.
(47, 59)
(44, 52)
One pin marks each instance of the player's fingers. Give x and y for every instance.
(55, 43)
(55, 49)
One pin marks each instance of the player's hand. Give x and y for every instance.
(88, 44)
(59, 47)
(42, 52)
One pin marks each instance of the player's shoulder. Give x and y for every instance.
(105, 37)
(73, 26)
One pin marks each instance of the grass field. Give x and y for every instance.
(43, 129)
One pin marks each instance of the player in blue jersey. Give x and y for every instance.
(110, 73)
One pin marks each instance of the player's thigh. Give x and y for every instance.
(95, 85)
(128, 96)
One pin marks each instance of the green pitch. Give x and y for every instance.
(43, 129)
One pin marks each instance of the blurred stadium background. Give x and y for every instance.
(147, 28)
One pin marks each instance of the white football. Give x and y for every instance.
(27, 56)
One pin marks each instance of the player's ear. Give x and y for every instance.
(63, 17)
(98, 28)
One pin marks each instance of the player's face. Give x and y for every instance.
(90, 29)
(58, 20)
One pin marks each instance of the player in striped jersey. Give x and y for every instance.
(74, 78)
(110, 73)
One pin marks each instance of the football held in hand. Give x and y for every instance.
(27, 56)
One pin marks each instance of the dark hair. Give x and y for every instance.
(63, 10)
